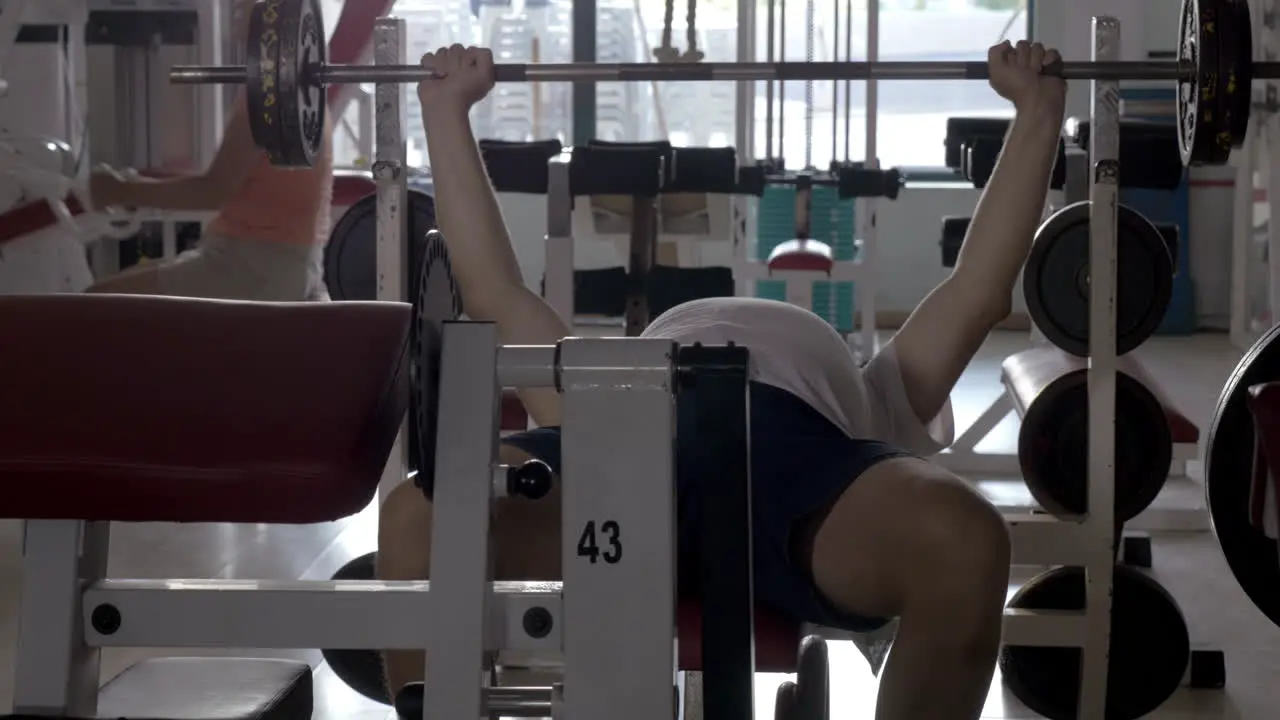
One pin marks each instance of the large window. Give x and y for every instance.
(913, 114)
(805, 123)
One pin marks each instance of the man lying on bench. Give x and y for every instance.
(850, 527)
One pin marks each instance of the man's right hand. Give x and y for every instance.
(1016, 73)
(460, 77)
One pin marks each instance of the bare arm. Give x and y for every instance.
(480, 253)
(235, 159)
(945, 331)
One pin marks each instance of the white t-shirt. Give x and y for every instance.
(797, 351)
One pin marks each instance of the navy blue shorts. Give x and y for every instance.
(800, 464)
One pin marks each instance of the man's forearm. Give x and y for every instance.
(1010, 208)
(467, 212)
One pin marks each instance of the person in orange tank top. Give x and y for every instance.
(266, 241)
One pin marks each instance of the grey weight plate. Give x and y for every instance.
(302, 96)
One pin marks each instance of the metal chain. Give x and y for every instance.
(808, 84)
(691, 25)
(668, 15)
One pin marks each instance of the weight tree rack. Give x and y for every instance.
(1181, 504)
(1037, 539)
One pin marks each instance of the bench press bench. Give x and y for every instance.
(142, 409)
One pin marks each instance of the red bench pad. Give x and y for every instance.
(777, 639)
(168, 409)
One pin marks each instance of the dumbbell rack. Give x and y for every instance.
(1037, 539)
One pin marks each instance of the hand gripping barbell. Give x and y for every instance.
(286, 74)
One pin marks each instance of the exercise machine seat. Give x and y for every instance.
(210, 688)
(777, 639)
(801, 256)
(131, 408)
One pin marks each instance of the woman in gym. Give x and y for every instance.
(851, 526)
(267, 239)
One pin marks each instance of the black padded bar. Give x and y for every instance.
(704, 170)
(617, 170)
(713, 430)
(518, 167)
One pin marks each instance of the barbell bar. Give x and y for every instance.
(286, 74)
(708, 72)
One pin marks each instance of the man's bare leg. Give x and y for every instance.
(909, 540)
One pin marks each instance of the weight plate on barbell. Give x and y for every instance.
(262, 94)
(351, 257)
(1149, 651)
(1199, 117)
(302, 97)
(1229, 455)
(1055, 281)
(1235, 51)
(438, 301)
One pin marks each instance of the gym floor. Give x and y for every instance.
(1191, 370)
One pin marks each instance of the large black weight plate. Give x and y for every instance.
(361, 670)
(1235, 51)
(1053, 447)
(438, 301)
(1056, 280)
(262, 77)
(1200, 120)
(351, 257)
(1150, 647)
(1228, 463)
(302, 96)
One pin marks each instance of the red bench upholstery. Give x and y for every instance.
(165, 409)
(777, 639)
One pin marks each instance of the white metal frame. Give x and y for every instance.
(613, 471)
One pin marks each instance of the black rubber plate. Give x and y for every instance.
(361, 670)
(1150, 647)
(1055, 282)
(1228, 462)
(351, 259)
(438, 302)
(1200, 118)
(302, 98)
(261, 77)
(1054, 440)
(1236, 74)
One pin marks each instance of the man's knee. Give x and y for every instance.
(962, 542)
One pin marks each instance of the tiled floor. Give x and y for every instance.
(1191, 370)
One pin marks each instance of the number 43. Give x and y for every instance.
(610, 536)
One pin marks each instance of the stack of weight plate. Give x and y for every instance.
(1150, 646)
(618, 105)
(832, 222)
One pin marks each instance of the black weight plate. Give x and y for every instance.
(1228, 463)
(361, 670)
(262, 76)
(1053, 447)
(438, 301)
(302, 97)
(1200, 119)
(351, 257)
(1150, 647)
(1055, 282)
(1235, 50)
